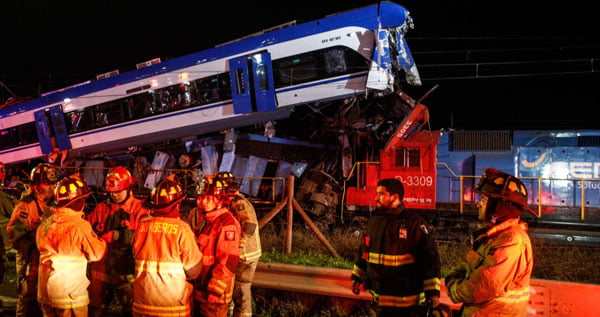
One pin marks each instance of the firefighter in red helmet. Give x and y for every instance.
(25, 219)
(166, 255)
(218, 235)
(115, 220)
(67, 243)
(494, 278)
(250, 247)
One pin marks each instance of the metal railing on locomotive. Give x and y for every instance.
(538, 197)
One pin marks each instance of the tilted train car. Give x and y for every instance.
(243, 82)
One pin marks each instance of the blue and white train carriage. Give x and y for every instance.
(243, 82)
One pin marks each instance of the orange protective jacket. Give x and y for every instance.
(494, 279)
(166, 256)
(219, 241)
(66, 243)
(124, 217)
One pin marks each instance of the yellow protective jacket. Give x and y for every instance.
(219, 241)
(494, 279)
(166, 257)
(66, 243)
(250, 248)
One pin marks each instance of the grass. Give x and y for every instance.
(551, 262)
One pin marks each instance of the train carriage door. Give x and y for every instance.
(51, 129)
(60, 129)
(263, 82)
(43, 131)
(252, 83)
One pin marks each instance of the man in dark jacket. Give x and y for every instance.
(398, 261)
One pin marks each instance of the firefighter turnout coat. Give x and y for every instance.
(494, 279)
(242, 209)
(166, 257)
(119, 265)
(66, 243)
(398, 261)
(218, 235)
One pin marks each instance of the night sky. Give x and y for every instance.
(499, 65)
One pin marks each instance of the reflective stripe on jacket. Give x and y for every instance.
(66, 243)
(398, 260)
(495, 278)
(219, 240)
(166, 257)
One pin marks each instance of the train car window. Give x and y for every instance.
(335, 61)
(317, 65)
(199, 92)
(407, 157)
(263, 77)
(8, 138)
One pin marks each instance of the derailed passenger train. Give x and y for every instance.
(247, 81)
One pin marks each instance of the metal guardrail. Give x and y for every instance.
(548, 298)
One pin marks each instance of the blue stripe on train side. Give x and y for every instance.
(367, 17)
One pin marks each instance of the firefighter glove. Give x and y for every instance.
(110, 236)
(356, 287)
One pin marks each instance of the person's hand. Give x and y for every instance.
(110, 236)
(356, 287)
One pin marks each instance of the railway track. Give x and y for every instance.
(548, 298)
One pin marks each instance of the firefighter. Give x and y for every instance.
(25, 219)
(115, 221)
(494, 278)
(250, 248)
(167, 257)
(398, 260)
(67, 243)
(6, 208)
(218, 235)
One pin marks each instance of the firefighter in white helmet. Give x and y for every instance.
(250, 247)
(494, 278)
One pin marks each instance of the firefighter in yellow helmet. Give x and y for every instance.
(218, 235)
(167, 257)
(115, 221)
(494, 278)
(250, 248)
(25, 219)
(67, 243)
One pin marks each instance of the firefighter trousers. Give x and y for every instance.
(242, 289)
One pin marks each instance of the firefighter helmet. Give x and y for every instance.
(44, 173)
(495, 183)
(228, 180)
(70, 189)
(165, 193)
(211, 186)
(117, 179)
(2, 167)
